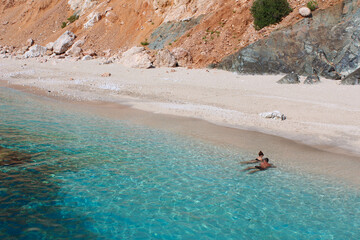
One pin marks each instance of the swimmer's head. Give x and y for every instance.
(261, 153)
(266, 159)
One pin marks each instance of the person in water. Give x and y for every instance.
(263, 166)
(256, 160)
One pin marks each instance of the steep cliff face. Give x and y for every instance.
(329, 42)
(209, 29)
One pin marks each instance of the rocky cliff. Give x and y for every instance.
(209, 30)
(328, 42)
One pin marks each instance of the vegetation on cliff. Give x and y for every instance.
(267, 12)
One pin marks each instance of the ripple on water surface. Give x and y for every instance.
(92, 177)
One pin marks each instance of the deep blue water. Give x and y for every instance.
(96, 178)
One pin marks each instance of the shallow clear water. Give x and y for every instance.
(96, 178)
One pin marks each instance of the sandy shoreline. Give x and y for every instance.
(324, 116)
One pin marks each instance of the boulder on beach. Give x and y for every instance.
(164, 58)
(75, 50)
(352, 79)
(312, 79)
(64, 42)
(182, 56)
(87, 57)
(274, 115)
(35, 51)
(136, 57)
(291, 78)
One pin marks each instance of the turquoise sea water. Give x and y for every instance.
(96, 178)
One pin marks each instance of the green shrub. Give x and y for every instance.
(73, 18)
(267, 12)
(145, 43)
(312, 5)
(63, 24)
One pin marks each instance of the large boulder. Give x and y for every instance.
(35, 51)
(164, 58)
(136, 57)
(64, 42)
(75, 50)
(291, 78)
(182, 56)
(352, 79)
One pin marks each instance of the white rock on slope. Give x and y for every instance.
(81, 5)
(92, 19)
(64, 42)
(305, 11)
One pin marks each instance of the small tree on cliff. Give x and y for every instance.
(267, 12)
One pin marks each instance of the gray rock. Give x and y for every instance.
(352, 79)
(170, 31)
(312, 79)
(164, 58)
(35, 51)
(64, 42)
(329, 42)
(291, 78)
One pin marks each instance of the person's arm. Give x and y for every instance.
(253, 171)
(251, 161)
(248, 168)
